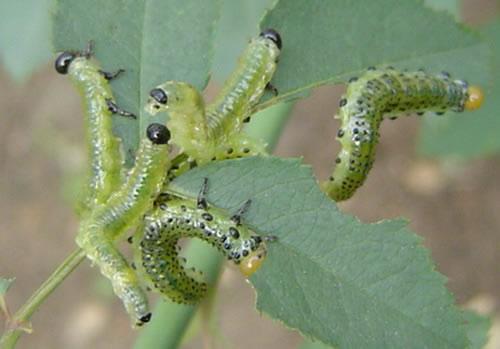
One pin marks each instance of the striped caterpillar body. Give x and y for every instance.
(175, 218)
(103, 148)
(383, 93)
(245, 86)
(244, 147)
(214, 133)
(122, 210)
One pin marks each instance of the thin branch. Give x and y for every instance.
(17, 324)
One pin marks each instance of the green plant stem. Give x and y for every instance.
(170, 321)
(23, 315)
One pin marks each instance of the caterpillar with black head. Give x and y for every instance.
(123, 210)
(383, 93)
(214, 132)
(245, 86)
(107, 216)
(156, 254)
(103, 148)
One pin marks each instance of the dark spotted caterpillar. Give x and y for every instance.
(389, 93)
(107, 216)
(214, 132)
(156, 254)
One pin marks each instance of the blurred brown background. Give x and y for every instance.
(453, 205)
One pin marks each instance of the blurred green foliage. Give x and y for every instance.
(24, 36)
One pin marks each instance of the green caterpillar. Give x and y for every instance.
(383, 93)
(214, 132)
(105, 158)
(186, 110)
(122, 210)
(245, 86)
(156, 254)
(109, 215)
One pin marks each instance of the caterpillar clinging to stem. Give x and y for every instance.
(124, 208)
(103, 148)
(383, 93)
(110, 206)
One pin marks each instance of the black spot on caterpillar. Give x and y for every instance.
(156, 253)
(380, 93)
(103, 148)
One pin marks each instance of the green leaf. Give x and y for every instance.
(477, 327)
(314, 345)
(330, 276)
(470, 134)
(344, 37)
(24, 36)
(452, 6)
(238, 23)
(154, 41)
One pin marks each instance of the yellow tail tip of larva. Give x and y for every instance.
(475, 99)
(252, 263)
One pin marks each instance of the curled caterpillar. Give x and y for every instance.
(383, 93)
(174, 218)
(215, 133)
(123, 209)
(105, 158)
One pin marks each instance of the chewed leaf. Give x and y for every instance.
(331, 277)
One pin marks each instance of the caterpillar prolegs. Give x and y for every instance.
(380, 93)
(214, 132)
(156, 254)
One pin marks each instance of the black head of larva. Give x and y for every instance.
(63, 61)
(159, 95)
(144, 319)
(158, 133)
(272, 35)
